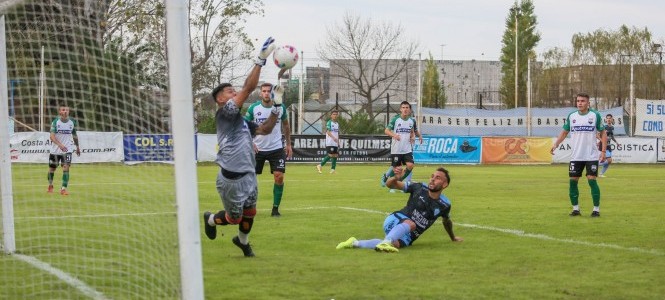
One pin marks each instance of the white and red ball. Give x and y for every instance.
(285, 57)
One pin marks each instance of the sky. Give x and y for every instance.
(468, 29)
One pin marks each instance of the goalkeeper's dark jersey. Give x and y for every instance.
(422, 209)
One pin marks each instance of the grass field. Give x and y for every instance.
(519, 242)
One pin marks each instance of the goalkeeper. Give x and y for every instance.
(236, 180)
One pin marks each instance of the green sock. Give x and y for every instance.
(573, 192)
(325, 160)
(391, 173)
(406, 173)
(65, 178)
(50, 178)
(595, 192)
(334, 162)
(277, 191)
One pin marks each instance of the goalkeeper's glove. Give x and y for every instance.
(266, 49)
(277, 94)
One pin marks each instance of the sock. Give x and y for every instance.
(606, 166)
(325, 160)
(573, 192)
(390, 172)
(576, 207)
(50, 178)
(277, 191)
(334, 163)
(398, 231)
(368, 244)
(65, 178)
(244, 229)
(595, 192)
(596, 208)
(407, 173)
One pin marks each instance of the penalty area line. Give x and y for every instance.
(70, 280)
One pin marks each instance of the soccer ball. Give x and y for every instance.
(285, 57)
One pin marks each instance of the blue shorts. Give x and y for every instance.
(608, 153)
(391, 221)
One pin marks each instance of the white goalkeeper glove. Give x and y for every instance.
(277, 95)
(266, 49)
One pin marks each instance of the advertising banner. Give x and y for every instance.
(148, 147)
(352, 148)
(34, 147)
(447, 150)
(507, 122)
(628, 150)
(516, 150)
(661, 150)
(650, 117)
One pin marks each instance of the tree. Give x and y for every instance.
(433, 93)
(370, 55)
(604, 47)
(527, 40)
(217, 40)
(600, 60)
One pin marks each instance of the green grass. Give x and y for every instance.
(519, 242)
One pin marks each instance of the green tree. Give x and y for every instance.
(522, 15)
(433, 94)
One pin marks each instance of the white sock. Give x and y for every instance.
(211, 220)
(576, 207)
(243, 237)
(596, 208)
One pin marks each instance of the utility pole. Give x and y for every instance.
(660, 68)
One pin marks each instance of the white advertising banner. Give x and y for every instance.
(34, 147)
(206, 147)
(661, 150)
(630, 150)
(650, 117)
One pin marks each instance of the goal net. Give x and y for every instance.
(109, 228)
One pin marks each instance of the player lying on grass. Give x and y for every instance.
(426, 204)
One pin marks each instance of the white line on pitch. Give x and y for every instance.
(529, 235)
(502, 230)
(72, 281)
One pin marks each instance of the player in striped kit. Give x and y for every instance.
(403, 129)
(64, 141)
(332, 143)
(583, 126)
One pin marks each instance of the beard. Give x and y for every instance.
(434, 188)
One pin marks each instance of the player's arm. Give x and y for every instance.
(253, 78)
(76, 142)
(394, 182)
(448, 226)
(614, 139)
(560, 138)
(415, 129)
(267, 126)
(286, 129)
(603, 144)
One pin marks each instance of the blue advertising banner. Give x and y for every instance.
(148, 147)
(448, 149)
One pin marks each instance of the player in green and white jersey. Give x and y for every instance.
(583, 126)
(271, 147)
(64, 141)
(332, 143)
(402, 128)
